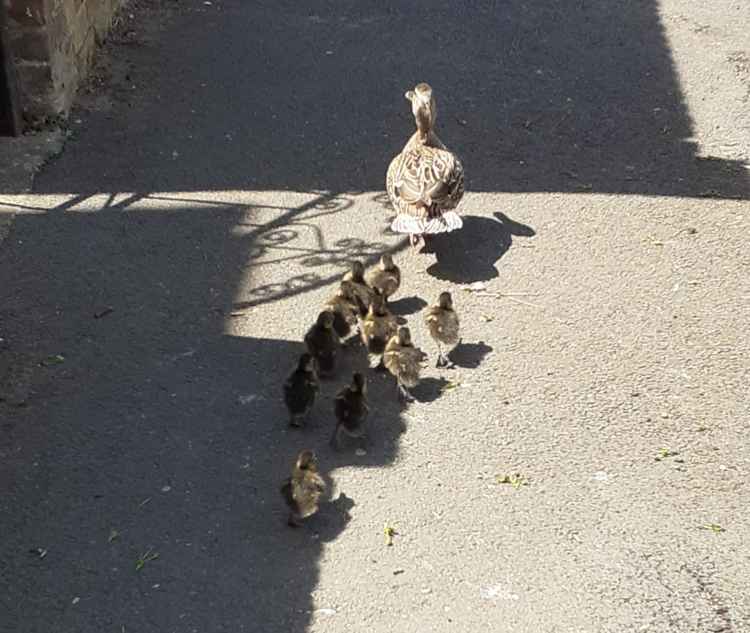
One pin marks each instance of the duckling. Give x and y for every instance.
(302, 491)
(345, 308)
(403, 360)
(362, 291)
(425, 182)
(386, 278)
(442, 321)
(323, 343)
(377, 328)
(300, 389)
(351, 410)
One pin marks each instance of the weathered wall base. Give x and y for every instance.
(52, 43)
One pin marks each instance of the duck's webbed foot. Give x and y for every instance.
(443, 362)
(404, 393)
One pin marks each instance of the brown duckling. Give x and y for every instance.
(351, 410)
(404, 361)
(300, 389)
(386, 277)
(362, 290)
(323, 343)
(442, 321)
(377, 328)
(345, 308)
(302, 491)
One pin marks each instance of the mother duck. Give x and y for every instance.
(425, 182)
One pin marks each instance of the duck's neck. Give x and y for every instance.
(424, 124)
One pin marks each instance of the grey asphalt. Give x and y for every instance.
(225, 165)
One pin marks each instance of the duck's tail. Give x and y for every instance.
(444, 222)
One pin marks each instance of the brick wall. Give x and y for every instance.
(52, 43)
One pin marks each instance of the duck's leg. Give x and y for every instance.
(293, 521)
(441, 358)
(443, 361)
(403, 393)
(336, 438)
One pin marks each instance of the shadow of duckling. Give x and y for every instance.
(333, 517)
(407, 305)
(470, 254)
(469, 355)
(429, 389)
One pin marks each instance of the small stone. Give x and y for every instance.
(325, 611)
(76, 600)
(166, 488)
(360, 452)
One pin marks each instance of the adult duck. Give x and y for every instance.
(425, 182)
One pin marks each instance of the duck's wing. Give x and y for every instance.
(306, 492)
(425, 184)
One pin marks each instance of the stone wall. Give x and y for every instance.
(52, 43)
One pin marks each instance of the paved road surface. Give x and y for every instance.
(217, 183)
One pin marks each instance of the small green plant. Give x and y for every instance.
(147, 557)
(664, 453)
(389, 532)
(516, 480)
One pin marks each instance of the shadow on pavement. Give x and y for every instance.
(566, 97)
(470, 255)
(159, 433)
(147, 430)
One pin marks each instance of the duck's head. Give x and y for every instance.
(325, 319)
(386, 262)
(307, 362)
(358, 270)
(423, 107)
(445, 301)
(307, 460)
(404, 336)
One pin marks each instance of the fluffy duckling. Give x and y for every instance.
(386, 278)
(442, 321)
(362, 291)
(302, 491)
(323, 343)
(351, 410)
(377, 328)
(403, 360)
(300, 389)
(345, 308)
